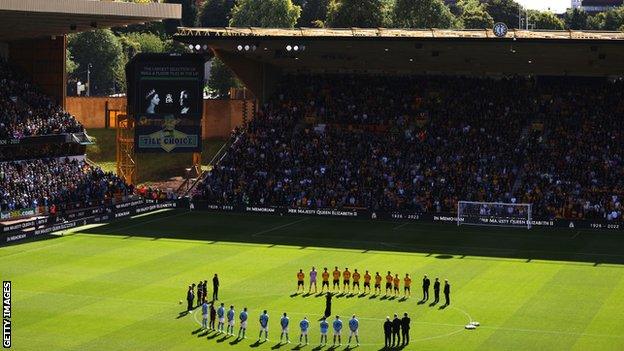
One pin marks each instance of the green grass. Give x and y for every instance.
(152, 167)
(117, 287)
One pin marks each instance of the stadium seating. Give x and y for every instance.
(62, 182)
(56, 181)
(423, 143)
(25, 111)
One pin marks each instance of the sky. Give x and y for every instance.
(556, 6)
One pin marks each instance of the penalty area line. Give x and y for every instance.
(279, 227)
(401, 226)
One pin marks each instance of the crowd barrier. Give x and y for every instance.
(39, 226)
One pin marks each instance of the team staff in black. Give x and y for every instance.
(190, 296)
(436, 290)
(215, 288)
(396, 328)
(200, 293)
(447, 292)
(387, 327)
(405, 327)
(425, 287)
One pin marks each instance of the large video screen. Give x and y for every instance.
(165, 94)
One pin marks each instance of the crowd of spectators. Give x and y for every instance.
(25, 111)
(423, 143)
(58, 182)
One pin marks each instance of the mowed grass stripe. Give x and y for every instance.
(123, 276)
(564, 293)
(125, 296)
(494, 298)
(609, 319)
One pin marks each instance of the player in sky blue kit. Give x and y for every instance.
(264, 325)
(221, 316)
(304, 325)
(231, 321)
(324, 329)
(204, 315)
(354, 325)
(284, 323)
(243, 320)
(337, 329)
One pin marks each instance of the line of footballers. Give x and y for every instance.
(304, 325)
(392, 283)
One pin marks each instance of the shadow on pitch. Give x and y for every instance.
(257, 343)
(224, 338)
(278, 346)
(444, 257)
(236, 341)
(449, 243)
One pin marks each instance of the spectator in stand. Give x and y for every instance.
(56, 183)
(25, 111)
(420, 144)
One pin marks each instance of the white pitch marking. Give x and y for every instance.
(279, 227)
(400, 226)
(145, 222)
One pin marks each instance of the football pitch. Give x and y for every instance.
(118, 286)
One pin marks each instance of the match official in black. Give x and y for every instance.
(405, 327)
(425, 287)
(387, 326)
(396, 328)
(436, 291)
(447, 292)
(215, 288)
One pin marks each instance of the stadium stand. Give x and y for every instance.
(25, 111)
(423, 143)
(60, 182)
(56, 182)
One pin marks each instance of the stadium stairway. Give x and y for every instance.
(185, 189)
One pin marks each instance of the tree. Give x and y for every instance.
(312, 12)
(355, 13)
(576, 19)
(423, 14)
(147, 42)
(545, 20)
(102, 49)
(215, 13)
(473, 15)
(609, 20)
(70, 65)
(221, 79)
(189, 16)
(505, 11)
(265, 13)
(476, 18)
